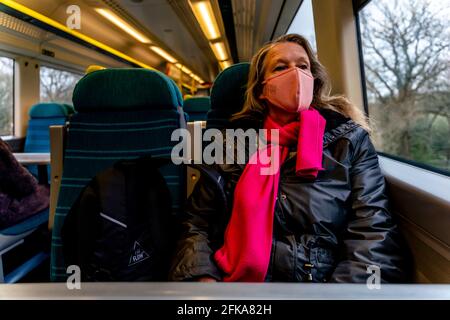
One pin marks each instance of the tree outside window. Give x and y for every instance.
(57, 85)
(406, 49)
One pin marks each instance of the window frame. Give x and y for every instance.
(358, 5)
(293, 17)
(302, 2)
(60, 67)
(4, 54)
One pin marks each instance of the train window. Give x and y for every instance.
(6, 96)
(57, 85)
(303, 23)
(406, 52)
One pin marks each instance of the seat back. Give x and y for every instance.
(227, 98)
(197, 108)
(42, 116)
(120, 114)
(227, 95)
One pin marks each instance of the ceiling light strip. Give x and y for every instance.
(204, 13)
(162, 53)
(219, 51)
(40, 17)
(205, 16)
(122, 24)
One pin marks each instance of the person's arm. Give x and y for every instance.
(193, 259)
(372, 237)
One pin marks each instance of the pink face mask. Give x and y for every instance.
(291, 89)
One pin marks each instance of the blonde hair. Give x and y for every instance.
(253, 108)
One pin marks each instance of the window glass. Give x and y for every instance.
(406, 52)
(6, 96)
(57, 85)
(303, 23)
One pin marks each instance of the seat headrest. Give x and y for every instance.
(126, 89)
(197, 104)
(228, 91)
(48, 110)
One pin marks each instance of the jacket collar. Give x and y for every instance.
(334, 134)
(337, 125)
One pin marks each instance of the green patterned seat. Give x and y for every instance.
(227, 95)
(120, 114)
(197, 108)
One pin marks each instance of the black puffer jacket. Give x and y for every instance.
(328, 230)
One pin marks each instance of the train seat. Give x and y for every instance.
(197, 108)
(42, 116)
(13, 236)
(120, 114)
(227, 95)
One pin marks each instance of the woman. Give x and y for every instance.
(322, 216)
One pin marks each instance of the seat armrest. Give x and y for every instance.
(195, 129)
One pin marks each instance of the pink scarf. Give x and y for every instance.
(245, 254)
